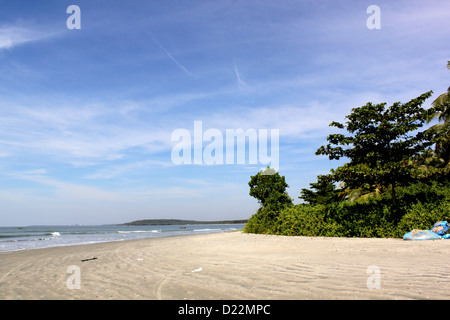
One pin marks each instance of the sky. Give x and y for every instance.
(87, 115)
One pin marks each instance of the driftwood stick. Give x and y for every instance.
(88, 259)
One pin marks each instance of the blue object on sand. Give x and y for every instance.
(438, 231)
(421, 235)
(440, 227)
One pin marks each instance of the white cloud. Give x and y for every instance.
(77, 132)
(115, 170)
(241, 83)
(171, 57)
(55, 191)
(13, 35)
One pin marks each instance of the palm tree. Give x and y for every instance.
(442, 100)
(442, 130)
(364, 192)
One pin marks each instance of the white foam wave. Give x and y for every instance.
(140, 231)
(55, 234)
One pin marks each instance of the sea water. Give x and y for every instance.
(35, 237)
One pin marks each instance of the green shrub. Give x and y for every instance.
(263, 221)
(297, 220)
(301, 220)
(364, 218)
(423, 216)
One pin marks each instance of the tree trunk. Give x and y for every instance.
(393, 192)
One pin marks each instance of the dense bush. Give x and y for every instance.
(262, 221)
(300, 220)
(418, 206)
(423, 216)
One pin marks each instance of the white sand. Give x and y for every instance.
(232, 266)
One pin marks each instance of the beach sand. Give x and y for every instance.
(232, 266)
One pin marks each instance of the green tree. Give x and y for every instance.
(324, 191)
(381, 143)
(270, 189)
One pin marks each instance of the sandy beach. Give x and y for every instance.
(231, 266)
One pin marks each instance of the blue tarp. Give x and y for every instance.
(440, 227)
(438, 231)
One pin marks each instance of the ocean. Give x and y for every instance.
(35, 237)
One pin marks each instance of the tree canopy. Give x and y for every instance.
(270, 189)
(324, 191)
(396, 179)
(381, 144)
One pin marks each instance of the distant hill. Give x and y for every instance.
(151, 222)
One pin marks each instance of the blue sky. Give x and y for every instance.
(86, 116)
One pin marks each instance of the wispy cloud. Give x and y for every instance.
(193, 181)
(241, 83)
(14, 35)
(117, 170)
(77, 132)
(65, 190)
(71, 191)
(171, 57)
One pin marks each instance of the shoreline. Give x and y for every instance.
(229, 265)
(56, 236)
(103, 242)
